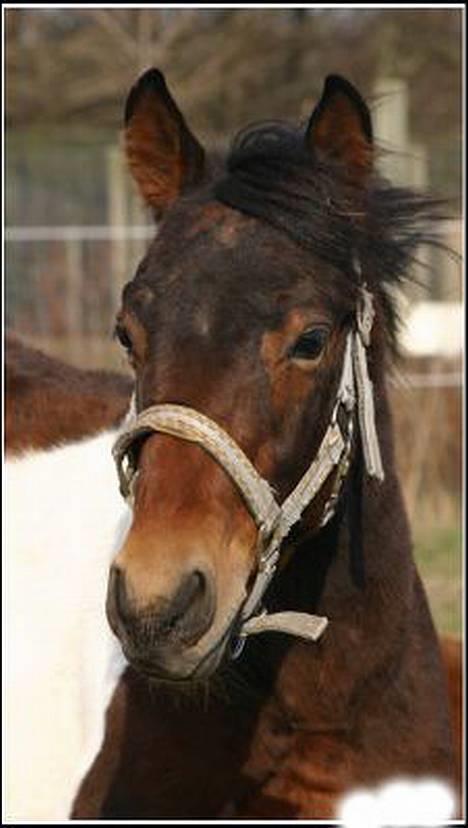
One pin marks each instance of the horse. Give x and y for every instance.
(63, 524)
(60, 426)
(266, 586)
(47, 400)
(256, 286)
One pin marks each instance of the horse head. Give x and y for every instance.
(241, 310)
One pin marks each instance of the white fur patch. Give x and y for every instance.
(405, 802)
(65, 519)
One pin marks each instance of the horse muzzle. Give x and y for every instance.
(169, 639)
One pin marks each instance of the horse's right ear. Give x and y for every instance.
(164, 157)
(340, 128)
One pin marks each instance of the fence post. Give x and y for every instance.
(402, 162)
(390, 118)
(74, 290)
(138, 218)
(449, 285)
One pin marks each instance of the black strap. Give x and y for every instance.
(354, 510)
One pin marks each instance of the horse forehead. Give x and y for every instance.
(200, 252)
(219, 222)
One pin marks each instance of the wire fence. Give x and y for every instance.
(68, 279)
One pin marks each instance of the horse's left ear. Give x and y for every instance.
(340, 127)
(164, 157)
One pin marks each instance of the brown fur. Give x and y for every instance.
(133, 734)
(287, 729)
(252, 771)
(152, 540)
(287, 382)
(163, 160)
(452, 656)
(49, 402)
(218, 221)
(339, 127)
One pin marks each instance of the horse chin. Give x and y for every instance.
(188, 666)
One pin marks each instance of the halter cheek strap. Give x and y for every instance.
(273, 520)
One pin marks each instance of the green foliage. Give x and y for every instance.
(438, 553)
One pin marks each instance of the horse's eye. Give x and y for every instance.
(122, 335)
(310, 344)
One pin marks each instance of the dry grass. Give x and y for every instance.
(428, 429)
(428, 432)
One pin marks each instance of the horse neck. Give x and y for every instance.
(368, 541)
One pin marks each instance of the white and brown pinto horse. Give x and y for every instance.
(64, 521)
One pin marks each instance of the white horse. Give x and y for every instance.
(65, 520)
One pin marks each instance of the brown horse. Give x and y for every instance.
(242, 310)
(49, 402)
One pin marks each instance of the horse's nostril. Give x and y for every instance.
(117, 598)
(190, 592)
(190, 613)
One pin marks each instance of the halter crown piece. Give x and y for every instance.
(273, 520)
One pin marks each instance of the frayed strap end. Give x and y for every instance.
(299, 624)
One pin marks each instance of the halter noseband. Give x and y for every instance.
(273, 520)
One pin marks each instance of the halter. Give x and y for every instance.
(273, 520)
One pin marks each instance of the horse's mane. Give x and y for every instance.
(272, 175)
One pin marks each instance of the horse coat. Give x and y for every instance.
(64, 517)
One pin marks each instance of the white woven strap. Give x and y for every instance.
(365, 391)
(327, 458)
(301, 624)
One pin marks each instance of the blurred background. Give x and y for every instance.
(75, 227)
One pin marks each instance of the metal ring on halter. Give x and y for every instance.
(237, 645)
